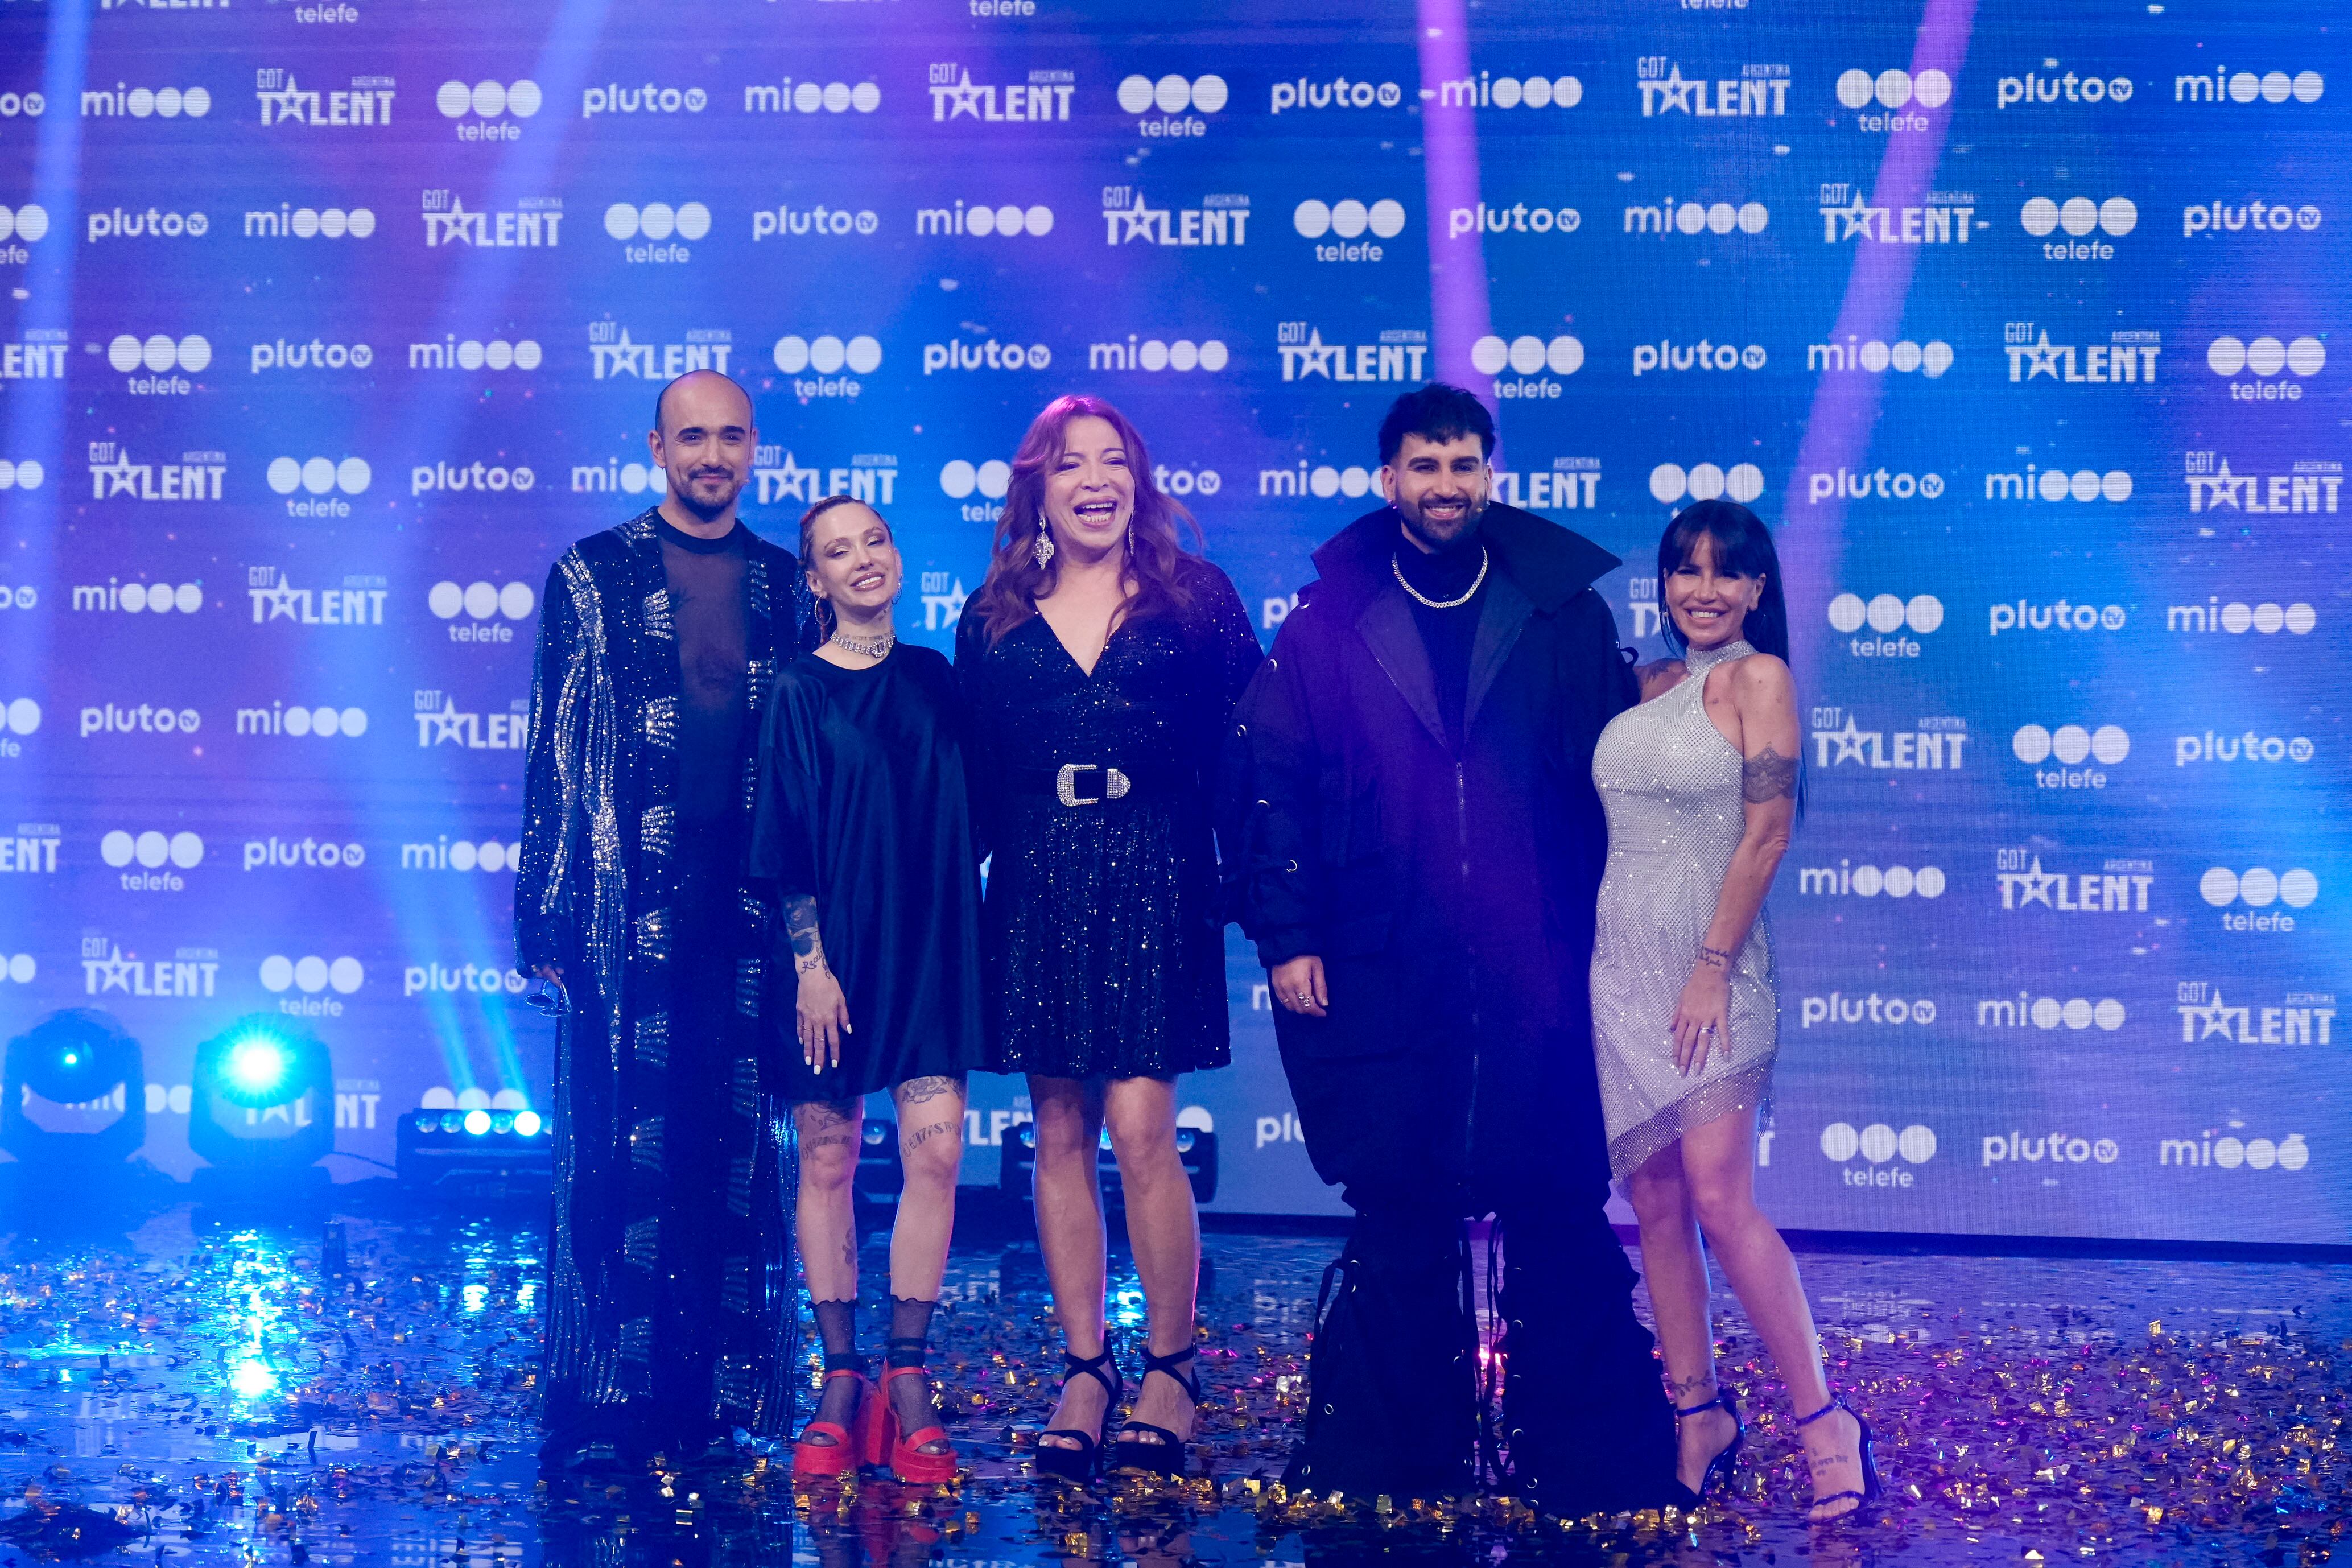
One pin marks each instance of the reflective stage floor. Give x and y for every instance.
(198, 1393)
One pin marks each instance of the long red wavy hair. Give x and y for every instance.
(1156, 550)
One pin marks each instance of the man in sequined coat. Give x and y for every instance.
(1422, 849)
(670, 1319)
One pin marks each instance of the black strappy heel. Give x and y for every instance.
(1083, 1463)
(1167, 1456)
(1720, 1468)
(1870, 1486)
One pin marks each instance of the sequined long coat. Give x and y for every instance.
(1448, 890)
(594, 896)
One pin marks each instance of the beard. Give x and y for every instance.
(1442, 534)
(707, 495)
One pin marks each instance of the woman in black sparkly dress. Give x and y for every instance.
(1099, 663)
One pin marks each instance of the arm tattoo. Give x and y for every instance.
(800, 923)
(1767, 775)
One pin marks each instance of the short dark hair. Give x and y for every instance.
(662, 397)
(1437, 413)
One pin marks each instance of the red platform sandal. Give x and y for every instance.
(859, 1443)
(907, 1460)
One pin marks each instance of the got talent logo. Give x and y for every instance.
(1402, 354)
(1129, 218)
(534, 223)
(285, 101)
(1044, 97)
(196, 477)
(1936, 745)
(2119, 887)
(2314, 485)
(612, 353)
(1757, 91)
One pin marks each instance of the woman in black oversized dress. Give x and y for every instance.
(1099, 664)
(863, 831)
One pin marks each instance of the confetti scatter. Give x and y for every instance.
(197, 1394)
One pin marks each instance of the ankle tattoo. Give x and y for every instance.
(1683, 1390)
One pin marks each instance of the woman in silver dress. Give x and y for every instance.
(1700, 786)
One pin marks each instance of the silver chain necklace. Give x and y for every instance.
(877, 648)
(1485, 561)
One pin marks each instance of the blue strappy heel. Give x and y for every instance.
(1720, 1468)
(1870, 1488)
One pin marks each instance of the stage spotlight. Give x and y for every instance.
(479, 1152)
(75, 1095)
(261, 1108)
(1196, 1149)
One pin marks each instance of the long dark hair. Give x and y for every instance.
(1743, 546)
(825, 619)
(1008, 597)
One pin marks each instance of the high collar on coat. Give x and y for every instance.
(1548, 563)
(1538, 566)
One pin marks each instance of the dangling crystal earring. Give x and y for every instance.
(1042, 549)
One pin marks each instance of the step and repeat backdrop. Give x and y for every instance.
(329, 324)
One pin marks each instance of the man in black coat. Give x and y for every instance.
(1422, 847)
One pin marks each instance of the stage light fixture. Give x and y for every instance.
(262, 1106)
(1196, 1150)
(480, 1152)
(75, 1095)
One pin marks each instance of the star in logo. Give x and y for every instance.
(286, 103)
(449, 724)
(2213, 1019)
(1856, 216)
(791, 480)
(2226, 489)
(118, 476)
(114, 969)
(1315, 355)
(449, 227)
(2041, 359)
(1675, 93)
(1140, 222)
(1852, 744)
(622, 358)
(278, 600)
(2034, 885)
(964, 99)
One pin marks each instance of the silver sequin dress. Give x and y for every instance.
(1671, 785)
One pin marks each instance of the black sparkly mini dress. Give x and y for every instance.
(1104, 946)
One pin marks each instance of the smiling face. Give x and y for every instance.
(1709, 607)
(704, 444)
(1438, 488)
(1090, 493)
(852, 561)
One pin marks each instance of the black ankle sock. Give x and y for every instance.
(837, 1327)
(910, 1331)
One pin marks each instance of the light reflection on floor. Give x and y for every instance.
(196, 1394)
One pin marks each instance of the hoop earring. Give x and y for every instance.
(1042, 549)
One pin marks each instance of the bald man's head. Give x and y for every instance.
(695, 377)
(703, 438)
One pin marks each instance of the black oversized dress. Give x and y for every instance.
(863, 806)
(1104, 936)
